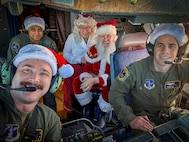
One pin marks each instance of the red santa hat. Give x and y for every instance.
(55, 60)
(84, 16)
(173, 29)
(108, 27)
(34, 20)
(65, 70)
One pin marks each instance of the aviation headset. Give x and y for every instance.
(46, 31)
(35, 19)
(8, 70)
(150, 49)
(176, 30)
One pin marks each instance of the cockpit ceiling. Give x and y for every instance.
(143, 11)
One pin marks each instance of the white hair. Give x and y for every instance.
(105, 52)
(83, 21)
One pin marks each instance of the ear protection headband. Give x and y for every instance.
(7, 73)
(8, 70)
(46, 31)
(150, 48)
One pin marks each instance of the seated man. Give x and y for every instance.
(155, 82)
(97, 68)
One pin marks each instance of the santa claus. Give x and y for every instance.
(97, 68)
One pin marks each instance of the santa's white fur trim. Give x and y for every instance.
(94, 60)
(66, 71)
(105, 78)
(84, 75)
(104, 106)
(102, 66)
(84, 98)
(106, 29)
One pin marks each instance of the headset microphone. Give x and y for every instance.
(168, 62)
(27, 89)
(174, 62)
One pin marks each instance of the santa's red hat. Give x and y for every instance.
(55, 60)
(108, 27)
(84, 16)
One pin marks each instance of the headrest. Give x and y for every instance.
(132, 40)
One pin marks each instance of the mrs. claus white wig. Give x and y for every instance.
(84, 19)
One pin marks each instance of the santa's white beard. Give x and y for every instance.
(105, 52)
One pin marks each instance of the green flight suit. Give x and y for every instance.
(23, 39)
(151, 91)
(48, 125)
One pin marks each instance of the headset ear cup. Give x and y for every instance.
(181, 51)
(6, 73)
(24, 29)
(150, 48)
(55, 83)
(46, 31)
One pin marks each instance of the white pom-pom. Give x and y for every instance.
(66, 71)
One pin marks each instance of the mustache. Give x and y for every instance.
(27, 83)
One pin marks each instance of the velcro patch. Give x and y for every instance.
(149, 84)
(38, 135)
(172, 84)
(123, 74)
(15, 47)
(12, 132)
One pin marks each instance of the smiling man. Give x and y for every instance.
(155, 85)
(34, 27)
(23, 118)
(97, 70)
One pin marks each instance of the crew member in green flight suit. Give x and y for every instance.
(155, 82)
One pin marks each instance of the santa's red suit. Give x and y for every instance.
(95, 66)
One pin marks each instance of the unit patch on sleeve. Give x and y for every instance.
(123, 74)
(172, 84)
(15, 47)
